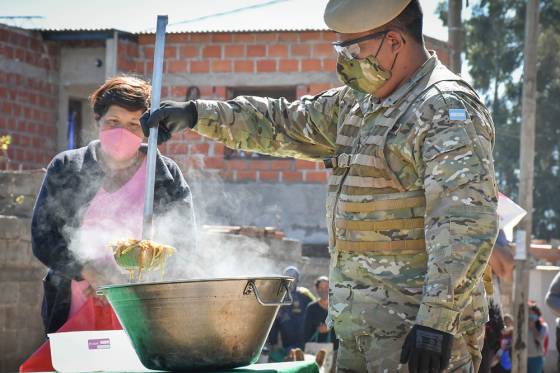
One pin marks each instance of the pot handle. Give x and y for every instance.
(251, 287)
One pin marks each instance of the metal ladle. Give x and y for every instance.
(157, 76)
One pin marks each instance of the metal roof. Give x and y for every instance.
(193, 16)
(218, 31)
(186, 31)
(253, 16)
(85, 34)
(102, 34)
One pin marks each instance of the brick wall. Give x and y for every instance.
(188, 55)
(29, 97)
(302, 60)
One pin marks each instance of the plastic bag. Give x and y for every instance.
(92, 316)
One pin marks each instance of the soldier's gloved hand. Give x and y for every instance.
(172, 116)
(426, 350)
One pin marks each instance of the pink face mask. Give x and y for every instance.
(119, 143)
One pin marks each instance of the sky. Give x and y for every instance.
(184, 15)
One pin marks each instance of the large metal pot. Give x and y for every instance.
(199, 324)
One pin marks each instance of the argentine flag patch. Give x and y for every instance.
(457, 114)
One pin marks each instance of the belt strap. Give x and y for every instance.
(341, 160)
(381, 225)
(382, 205)
(367, 246)
(345, 160)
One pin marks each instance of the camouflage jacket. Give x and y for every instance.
(440, 147)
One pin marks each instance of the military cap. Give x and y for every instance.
(352, 16)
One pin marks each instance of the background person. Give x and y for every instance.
(315, 327)
(501, 263)
(492, 337)
(553, 295)
(95, 194)
(502, 360)
(553, 302)
(288, 324)
(500, 267)
(536, 339)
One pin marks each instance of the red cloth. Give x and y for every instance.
(92, 316)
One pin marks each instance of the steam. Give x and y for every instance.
(200, 254)
(221, 255)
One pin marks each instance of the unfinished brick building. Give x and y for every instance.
(46, 77)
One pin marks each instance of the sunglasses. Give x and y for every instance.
(351, 48)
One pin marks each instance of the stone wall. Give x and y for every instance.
(21, 328)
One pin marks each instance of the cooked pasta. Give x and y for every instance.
(138, 255)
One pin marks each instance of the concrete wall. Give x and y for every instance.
(78, 66)
(80, 75)
(21, 328)
(296, 208)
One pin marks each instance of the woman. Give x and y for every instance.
(95, 195)
(314, 322)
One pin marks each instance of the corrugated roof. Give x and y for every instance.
(239, 31)
(272, 15)
(193, 16)
(238, 16)
(85, 34)
(307, 29)
(77, 33)
(80, 30)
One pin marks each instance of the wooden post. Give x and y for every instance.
(455, 34)
(529, 106)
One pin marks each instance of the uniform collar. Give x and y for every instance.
(373, 104)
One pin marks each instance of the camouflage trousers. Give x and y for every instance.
(374, 300)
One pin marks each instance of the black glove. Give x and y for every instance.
(426, 350)
(171, 117)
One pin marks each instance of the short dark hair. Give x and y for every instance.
(125, 91)
(410, 20)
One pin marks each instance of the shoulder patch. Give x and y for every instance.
(457, 114)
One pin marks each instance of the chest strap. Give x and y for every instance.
(380, 225)
(383, 205)
(340, 161)
(380, 246)
(346, 160)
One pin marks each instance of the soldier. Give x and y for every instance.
(411, 205)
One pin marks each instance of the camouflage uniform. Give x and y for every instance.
(411, 208)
